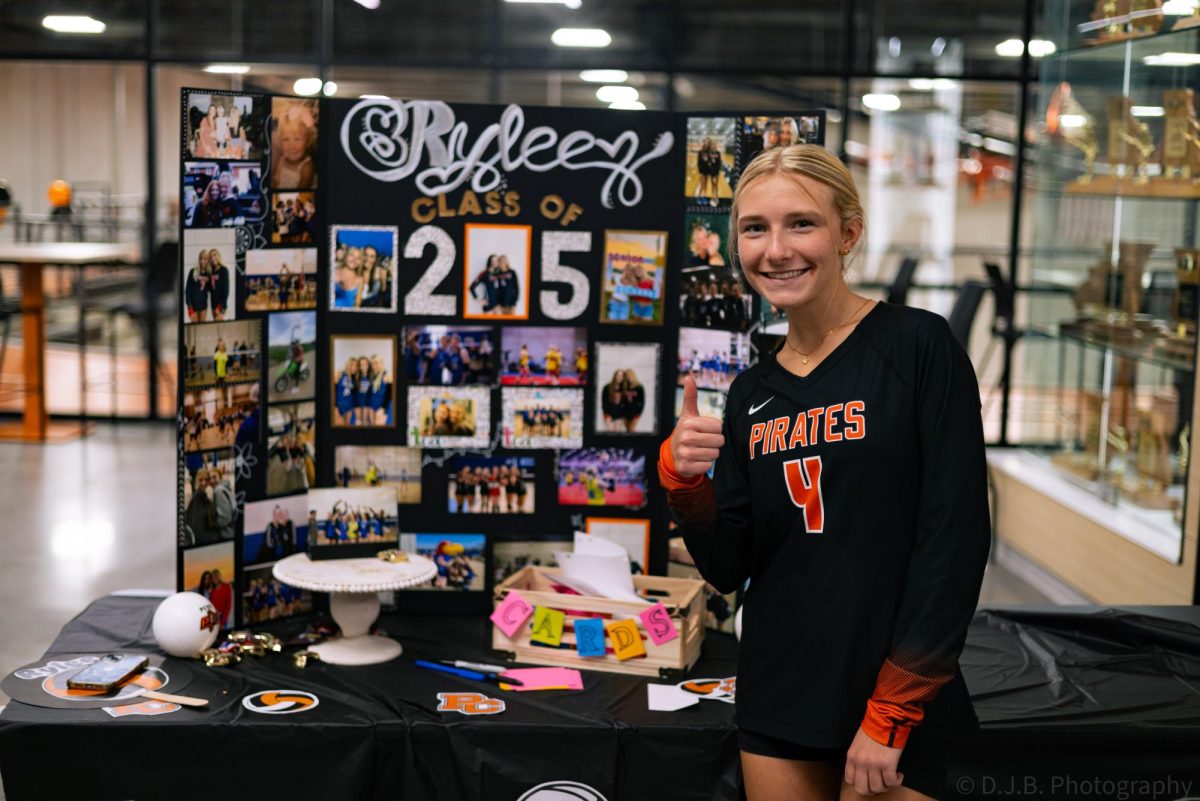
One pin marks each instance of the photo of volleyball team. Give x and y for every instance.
(353, 516)
(491, 484)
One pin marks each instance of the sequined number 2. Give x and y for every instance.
(421, 299)
(803, 477)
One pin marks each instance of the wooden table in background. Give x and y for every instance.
(32, 258)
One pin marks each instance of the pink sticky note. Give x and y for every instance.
(545, 678)
(512, 612)
(658, 624)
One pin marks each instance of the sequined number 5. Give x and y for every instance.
(803, 478)
(554, 244)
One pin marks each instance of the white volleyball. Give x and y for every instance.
(737, 623)
(185, 624)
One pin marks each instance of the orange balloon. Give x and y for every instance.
(60, 194)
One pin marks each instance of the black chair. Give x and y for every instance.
(898, 291)
(157, 300)
(966, 306)
(1005, 294)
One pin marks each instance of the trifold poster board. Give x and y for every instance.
(454, 329)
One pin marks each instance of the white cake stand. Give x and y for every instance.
(353, 586)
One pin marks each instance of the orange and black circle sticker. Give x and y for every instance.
(712, 689)
(280, 702)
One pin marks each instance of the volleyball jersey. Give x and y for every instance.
(855, 501)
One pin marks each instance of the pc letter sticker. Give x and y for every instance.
(627, 640)
(548, 626)
(512, 612)
(658, 623)
(589, 637)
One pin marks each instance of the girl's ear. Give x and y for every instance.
(851, 232)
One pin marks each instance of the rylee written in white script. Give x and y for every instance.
(390, 139)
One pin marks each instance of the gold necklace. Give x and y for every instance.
(804, 356)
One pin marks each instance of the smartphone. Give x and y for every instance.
(107, 672)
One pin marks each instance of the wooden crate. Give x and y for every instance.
(683, 598)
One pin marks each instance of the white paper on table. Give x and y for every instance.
(668, 698)
(605, 576)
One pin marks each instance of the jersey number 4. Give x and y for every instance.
(803, 478)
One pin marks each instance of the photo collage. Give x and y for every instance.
(321, 414)
(248, 223)
(717, 309)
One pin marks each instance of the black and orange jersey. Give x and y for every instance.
(855, 501)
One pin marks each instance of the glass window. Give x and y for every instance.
(245, 30)
(953, 39)
(641, 34)
(22, 30)
(433, 31)
(933, 160)
(773, 36)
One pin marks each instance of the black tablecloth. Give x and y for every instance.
(1073, 703)
(374, 732)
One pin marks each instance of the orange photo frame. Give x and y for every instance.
(469, 273)
(604, 528)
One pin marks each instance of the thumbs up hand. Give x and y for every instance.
(696, 440)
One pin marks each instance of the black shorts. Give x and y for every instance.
(923, 763)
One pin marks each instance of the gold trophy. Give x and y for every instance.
(1186, 306)
(1068, 119)
(1129, 142)
(1153, 463)
(1113, 308)
(1081, 454)
(1180, 342)
(1126, 19)
(1181, 142)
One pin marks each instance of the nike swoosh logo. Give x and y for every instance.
(754, 409)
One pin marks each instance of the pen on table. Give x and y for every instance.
(468, 674)
(482, 667)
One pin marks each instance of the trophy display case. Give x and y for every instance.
(1115, 185)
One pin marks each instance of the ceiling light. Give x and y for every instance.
(73, 23)
(371, 4)
(628, 105)
(1041, 47)
(1013, 48)
(881, 102)
(1179, 8)
(1148, 111)
(581, 37)
(604, 76)
(329, 89)
(567, 3)
(307, 87)
(616, 94)
(373, 97)
(227, 69)
(1172, 60)
(930, 84)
